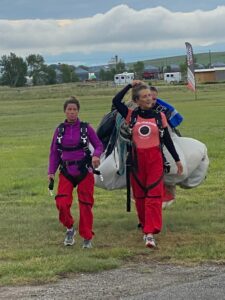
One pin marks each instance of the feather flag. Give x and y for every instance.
(190, 68)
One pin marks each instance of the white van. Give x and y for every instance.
(172, 77)
(123, 78)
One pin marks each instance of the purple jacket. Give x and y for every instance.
(70, 138)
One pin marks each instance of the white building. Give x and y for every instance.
(172, 77)
(29, 80)
(91, 76)
(123, 78)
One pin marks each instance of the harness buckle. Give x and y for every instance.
(161, 132)
(84, 139)
(59, 139)
(166, 167)
(85, 148)
(159, 108)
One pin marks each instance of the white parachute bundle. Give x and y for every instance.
(192, 153)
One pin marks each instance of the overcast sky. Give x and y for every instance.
(91, 32)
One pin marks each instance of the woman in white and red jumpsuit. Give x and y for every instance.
(75, 161)
(147, 161)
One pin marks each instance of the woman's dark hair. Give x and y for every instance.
(71, 100)
(153, 89)
(136, 89)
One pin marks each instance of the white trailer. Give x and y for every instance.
(172, 77)
(123, 78)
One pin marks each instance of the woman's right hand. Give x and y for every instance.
(136, 82)
(179, 167)
(51, 176)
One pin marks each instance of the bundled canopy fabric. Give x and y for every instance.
(192, 153)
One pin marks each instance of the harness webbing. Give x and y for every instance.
(83, 138)
(82, 164)
(131, 162)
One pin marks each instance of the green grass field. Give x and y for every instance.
(31, 243)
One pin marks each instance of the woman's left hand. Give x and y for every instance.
(95, 162)
(179, 167)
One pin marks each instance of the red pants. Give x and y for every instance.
(64, 199)
(149, 205)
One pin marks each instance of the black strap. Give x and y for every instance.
(133, 118)
(82, 164)
(128, 169)
(83, 144)
(132, 164)
(149, 187)
(160, 108)
(61, 131)
(158, 119)
(64, 148)
(75, 180)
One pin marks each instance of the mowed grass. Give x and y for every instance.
(31, 238)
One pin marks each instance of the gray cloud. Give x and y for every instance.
(58, 9)
(119, 29)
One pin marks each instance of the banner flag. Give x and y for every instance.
(190, 68)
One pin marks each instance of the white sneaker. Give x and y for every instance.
(69, 238)
(150, 241)
(87, 244)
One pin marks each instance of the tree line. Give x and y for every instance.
(16, 71)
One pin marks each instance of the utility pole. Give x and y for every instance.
(210, 58)
(116, 59)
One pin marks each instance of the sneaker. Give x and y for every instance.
(87, 244)
(69, 238)
(150, 241)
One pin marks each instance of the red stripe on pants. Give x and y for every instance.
(149, 206)
(64, 199)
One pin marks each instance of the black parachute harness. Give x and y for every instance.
(132, 163)
(160, 108)
(82, 164)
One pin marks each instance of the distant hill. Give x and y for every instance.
(202, 58)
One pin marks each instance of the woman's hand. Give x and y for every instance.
(51, 176)
(136, 82)
(179, 167)
(95, 162)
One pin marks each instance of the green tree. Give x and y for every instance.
(120, 67)
(51, 75)
(74, 76)
(37, 69)
(68, 73)
(35, 63)
(14, 70)
(183, 68)
(107, 75)
(139, 69)
(102, 74)
(167, 69)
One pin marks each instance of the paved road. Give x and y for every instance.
(135, 281)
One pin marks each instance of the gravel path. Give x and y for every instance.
(135, 281)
